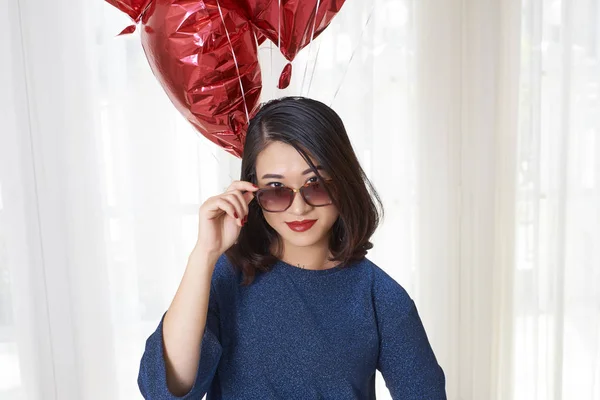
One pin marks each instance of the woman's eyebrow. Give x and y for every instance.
(277, 176)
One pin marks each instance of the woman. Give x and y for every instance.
(278, 300)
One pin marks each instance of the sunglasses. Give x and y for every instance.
(278, 199)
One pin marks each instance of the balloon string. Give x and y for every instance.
(312, 36)
(358, 43)
(314, 69)
(271, 70)
(235, 62)
(255, 39)
(218, 162)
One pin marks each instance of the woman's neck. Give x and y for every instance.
(308, 257)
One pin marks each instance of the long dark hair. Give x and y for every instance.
(311, 127)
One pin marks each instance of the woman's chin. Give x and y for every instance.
(302, 239)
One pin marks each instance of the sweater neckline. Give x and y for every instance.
(308, 272)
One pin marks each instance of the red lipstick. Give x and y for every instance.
(301, 226)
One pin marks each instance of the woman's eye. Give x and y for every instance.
(274, 183)
(316, 179)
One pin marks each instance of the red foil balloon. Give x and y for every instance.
(284, 78)
(133, 8)
(208, 68)
(289, 23)
(204, 54)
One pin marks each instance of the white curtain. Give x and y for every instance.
(477, 120)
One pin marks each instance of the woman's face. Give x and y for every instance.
(279, 158)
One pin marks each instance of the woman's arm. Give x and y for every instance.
(184, 324)
(406, 360)
(181, 356)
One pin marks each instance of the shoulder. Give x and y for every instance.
(388, 294)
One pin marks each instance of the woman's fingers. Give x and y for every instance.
(248, 196)
(226, 206)
(245, 190)
(234, 201)
(237, 204)
(242, 202)
(242, 185)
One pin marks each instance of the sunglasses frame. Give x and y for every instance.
(294, 191)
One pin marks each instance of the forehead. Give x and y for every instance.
(281, 158)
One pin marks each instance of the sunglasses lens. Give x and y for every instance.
(275, 199)
(316, 194)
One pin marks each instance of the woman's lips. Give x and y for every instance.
(301, 226)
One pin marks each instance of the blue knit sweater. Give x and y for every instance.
(305, 334)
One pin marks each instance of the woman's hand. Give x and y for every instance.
(220, 218)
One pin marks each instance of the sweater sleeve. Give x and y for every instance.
(152, 378)
(406, 360)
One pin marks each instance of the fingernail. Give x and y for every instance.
(254, 185)
(235, 214)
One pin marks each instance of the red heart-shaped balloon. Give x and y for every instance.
(205, 57)
(133, 8)
(204, 54)
(290, 24)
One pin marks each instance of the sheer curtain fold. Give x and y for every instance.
(63, 211)
(438, 63)
(468, 65)
(557, 267)
(19, 319)
(477, 121)
(508, 99)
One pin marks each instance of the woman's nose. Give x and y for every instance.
(298, 204)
